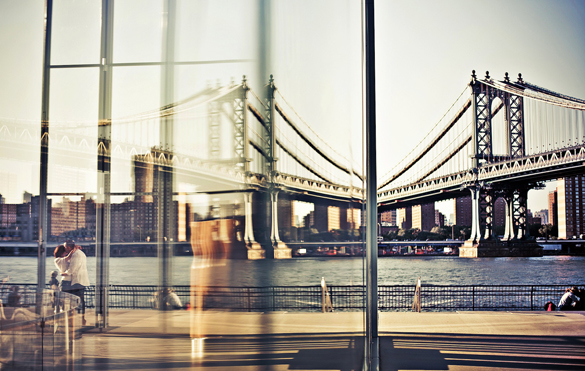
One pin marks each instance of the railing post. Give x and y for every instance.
(531, 298)
(473, 299)
(249, 304)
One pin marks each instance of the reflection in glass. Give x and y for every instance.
(207, 160)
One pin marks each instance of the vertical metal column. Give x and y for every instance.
(482, 120)
(487, 200)
(475, 210)
(516, 122)
(270, 135)
(372, 346)
(509, 227)
(214, 129)
(521, 213)
(44, 143)
(166, 213)
(241, 128)
(255, 251)
(102, 250)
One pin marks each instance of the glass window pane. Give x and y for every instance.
(76, 32)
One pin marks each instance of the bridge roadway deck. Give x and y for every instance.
(152, 340)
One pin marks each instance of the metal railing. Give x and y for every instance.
(343, 298)
(37, 332)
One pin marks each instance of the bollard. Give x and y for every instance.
(326, 305)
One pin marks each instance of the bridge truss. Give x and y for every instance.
(500, 140)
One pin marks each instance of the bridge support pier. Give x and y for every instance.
(281, 251)
(514, 242)
(516, 214)
(255, 251)
(487, 249)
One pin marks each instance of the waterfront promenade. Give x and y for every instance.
(460, 341)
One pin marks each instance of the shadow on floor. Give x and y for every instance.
(337, 351)
(419, 351)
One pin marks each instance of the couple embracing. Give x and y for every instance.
(72, 265)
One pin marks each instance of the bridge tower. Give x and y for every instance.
(281, 251)
(483, 196)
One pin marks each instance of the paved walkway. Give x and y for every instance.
(152, 340)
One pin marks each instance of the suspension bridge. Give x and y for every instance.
(499, 139)
(253, 144)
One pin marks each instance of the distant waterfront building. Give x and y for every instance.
(333, 218)
(68, 216)
(571, 216)
(543, 215)
(20, 222)
(462, 208)
(529, 217)
(499, 212)
(309, 219)
(423, 216)
(439, 219)
(388, 217)
(552, 208)
(354, 218)
(404, 218)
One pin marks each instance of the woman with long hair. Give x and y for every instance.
(62, 259)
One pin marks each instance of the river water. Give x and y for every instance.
(547, 270)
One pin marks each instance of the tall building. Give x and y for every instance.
(354, 218)
(499, 212)
(388, 217)
(439, 218)
(333, 218)
(552, 208)
(404, 218)
(68, 216)
(20, 222)
(423, 216)
(143, 178)
(462, 208)
(571, 216)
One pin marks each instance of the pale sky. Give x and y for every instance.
(425, 53)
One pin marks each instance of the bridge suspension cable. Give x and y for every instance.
(416, 154)
(348, 169)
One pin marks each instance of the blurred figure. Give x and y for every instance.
(210, 243)
(13, 298)
(54, 282)
(62, 259)
(569, 300)
(170, 300)
(78, 272)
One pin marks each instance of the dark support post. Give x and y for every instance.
(163, 161)
(102, 251)
(372, 346)
(487, 202)
(43, 207)
(509, 230)
(521, 213)
(475, 211)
